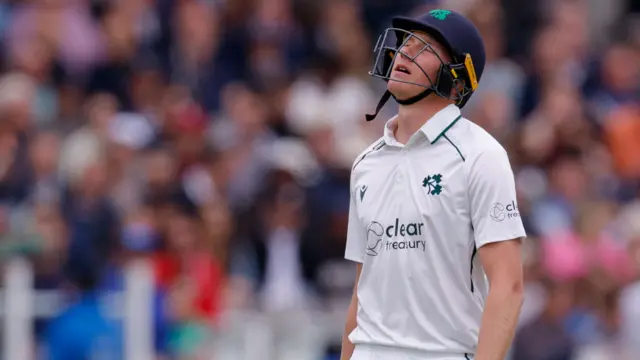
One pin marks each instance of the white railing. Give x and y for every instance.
(241, 335)
(20, 304)
(138, 310)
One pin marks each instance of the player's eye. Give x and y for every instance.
(412, 43)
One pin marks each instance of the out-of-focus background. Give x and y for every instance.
(174, 174)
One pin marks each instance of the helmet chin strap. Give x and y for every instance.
(414, 99)
(408, 101)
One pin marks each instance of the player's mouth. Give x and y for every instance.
(401, 68)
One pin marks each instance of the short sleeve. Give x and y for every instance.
(492, 194)
(356, 235)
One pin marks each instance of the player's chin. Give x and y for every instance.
(402, 90)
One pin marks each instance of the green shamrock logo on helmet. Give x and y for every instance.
(440, 14)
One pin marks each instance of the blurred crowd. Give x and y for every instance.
(214, 139)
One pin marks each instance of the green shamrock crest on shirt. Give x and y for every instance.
(432, 183)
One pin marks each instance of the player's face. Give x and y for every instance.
(425, 63)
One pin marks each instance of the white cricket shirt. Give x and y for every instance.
(418, 214)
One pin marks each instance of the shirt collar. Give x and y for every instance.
(437, 125)
(389, 129)
(441, 122)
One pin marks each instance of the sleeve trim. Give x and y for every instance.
(515, 236)
(355, 258)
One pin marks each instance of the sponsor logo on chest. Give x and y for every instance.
(397, 236)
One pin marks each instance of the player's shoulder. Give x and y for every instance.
(480, 142)
(366, 153)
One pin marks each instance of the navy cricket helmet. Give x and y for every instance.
(457, 34)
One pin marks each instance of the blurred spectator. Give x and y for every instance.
(83, 329)
(128, 135)
(620, 131)
(572, 255)
(607, 345)
(618, 82)
(139, 239)
(274, 244)
(545, 338)
(243, 139)
(187, 258)
(90, 216)
(188, 334)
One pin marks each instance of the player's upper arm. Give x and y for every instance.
(356, 234)
(502, 262)
(492, 196)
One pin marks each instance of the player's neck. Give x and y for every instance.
(412, 117)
